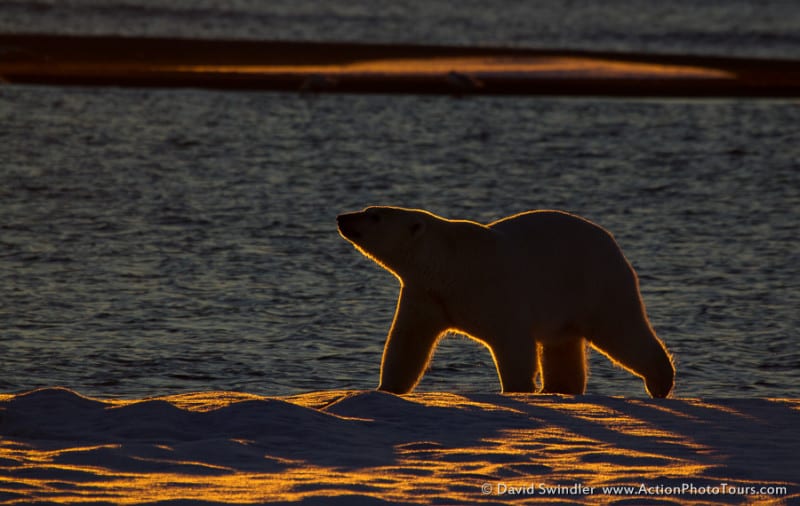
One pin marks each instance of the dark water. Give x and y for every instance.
(160, 241)
(766, 28)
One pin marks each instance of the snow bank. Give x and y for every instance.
(343, 447)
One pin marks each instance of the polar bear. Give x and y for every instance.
(534, 288)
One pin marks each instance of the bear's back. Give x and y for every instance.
(551, 225)
(558, 237)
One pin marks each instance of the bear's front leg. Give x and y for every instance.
(563, 366)
(516, 364)
(417, 325)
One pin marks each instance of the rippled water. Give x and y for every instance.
(765, 28)
(160, 241)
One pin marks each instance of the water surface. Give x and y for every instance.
(154, 242)
(764, 28)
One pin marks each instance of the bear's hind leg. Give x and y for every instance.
(637, 349)
(563, 367)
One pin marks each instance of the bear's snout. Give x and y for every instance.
(347, 226)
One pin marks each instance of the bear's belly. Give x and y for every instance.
(492, 315)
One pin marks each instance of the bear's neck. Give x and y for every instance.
(457, 260)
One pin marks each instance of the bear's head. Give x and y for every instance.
(388, 235)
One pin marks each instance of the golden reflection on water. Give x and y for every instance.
(578, 66)
(541, 66)
(592, 441)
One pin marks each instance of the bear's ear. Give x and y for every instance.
(416, 228)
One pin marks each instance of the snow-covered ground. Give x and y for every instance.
(366, 447)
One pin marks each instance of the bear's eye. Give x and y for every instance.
(375, 217)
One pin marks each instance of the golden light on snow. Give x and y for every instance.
(239, 448)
